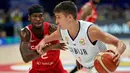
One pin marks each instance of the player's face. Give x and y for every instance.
(37, 20)
(62, 20)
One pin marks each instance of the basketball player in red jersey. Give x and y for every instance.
(32, 34)
(88, 11)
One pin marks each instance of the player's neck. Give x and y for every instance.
(38, 32)
(73, 30)
(37, 29)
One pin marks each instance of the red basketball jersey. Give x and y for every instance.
(48, 60)
(92, 17)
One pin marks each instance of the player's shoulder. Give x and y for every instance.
(24, 31)
(85, 22)
(84, 25)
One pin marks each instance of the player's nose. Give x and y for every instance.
(57, 22)
(37, 18)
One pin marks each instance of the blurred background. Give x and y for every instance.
(113, 18)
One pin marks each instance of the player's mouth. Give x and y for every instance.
(38, 24)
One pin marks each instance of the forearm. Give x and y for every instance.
(54, 36)
(58, 46)
(25, 46)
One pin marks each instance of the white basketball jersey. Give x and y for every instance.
(81, 47)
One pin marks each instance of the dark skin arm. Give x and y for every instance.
(87, 10)
(25, 46)
(25, 38)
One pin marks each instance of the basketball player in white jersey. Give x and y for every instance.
(80, 36)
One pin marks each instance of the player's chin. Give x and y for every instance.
(62, 28)
(38, 25)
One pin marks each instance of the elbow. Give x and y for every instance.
(124, 46)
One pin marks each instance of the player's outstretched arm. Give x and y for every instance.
(58, 46)
(54, 36)
(96, 34)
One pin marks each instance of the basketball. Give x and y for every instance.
(104, 62)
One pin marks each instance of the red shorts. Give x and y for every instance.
(58, 68)
(52, 70)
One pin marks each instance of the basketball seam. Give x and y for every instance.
(100, 58)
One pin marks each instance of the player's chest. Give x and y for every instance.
(78, 40)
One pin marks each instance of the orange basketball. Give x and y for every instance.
(104, 62)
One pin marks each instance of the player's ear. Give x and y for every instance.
(70, 16)
(29, 18)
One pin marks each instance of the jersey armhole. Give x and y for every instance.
(93, 43)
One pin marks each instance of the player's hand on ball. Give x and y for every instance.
(116, 55)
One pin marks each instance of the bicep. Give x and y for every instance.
(97, 34)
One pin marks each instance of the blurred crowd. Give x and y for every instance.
(12, 21)
(108, 11)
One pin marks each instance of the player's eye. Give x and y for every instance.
(58, 17)
(40, 15)
(34, 16)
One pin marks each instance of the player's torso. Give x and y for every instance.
(48, 59)
(81, 47)
(93, 16)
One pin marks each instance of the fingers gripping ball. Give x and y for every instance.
(104, 62)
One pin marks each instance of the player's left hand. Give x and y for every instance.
(116, 56)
